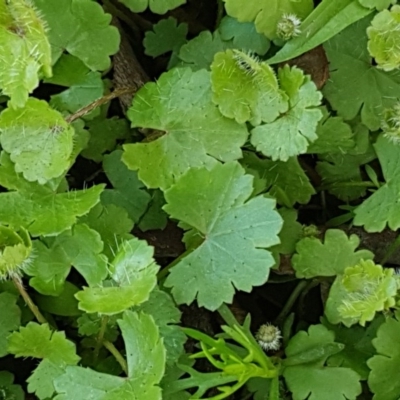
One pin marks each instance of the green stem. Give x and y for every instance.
(347, 184)
(29, 302)
(392, 248)
(100, 336)
(290, 302)
(220, 13)
(117, 355)
(227, 315)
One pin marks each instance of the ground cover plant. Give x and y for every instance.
(199, 199)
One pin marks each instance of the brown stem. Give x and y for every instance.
(29, 302)
(99, 102)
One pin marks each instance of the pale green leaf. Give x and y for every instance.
(194, 136)
(38, 139)
(133, 273)
(232, 234)
(39, 341)
(246, 89)
(378, 4)
(81, 28)
(291, 133)
(384, 36)
(41, 380)
(24, 50)
(267, 13)
(328, 258)
(39, 209)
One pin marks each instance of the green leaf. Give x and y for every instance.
(378, 4)
(291, 232)
(128, 190)
(41, 380)
(285, 181)
(313, 380)
(383, 35)
(146, 360)
(360, 292)
(154, 217)
(355, 85)
(329, 258)
(386, 363)
(382, 207)
(328, 19)
(81, 247)
(25, 50)
(166, 314)
(358, 346)
(104, 134)
(194, 136)
(267, 13)
(145, 351)
(113, 225)
(65, 304)
(38, 140)
(166, 36)
(246, 89)
(291, 133)
(133, 273)
(8, 390)
(199, 52)
(243, 35)
(85, 86)
(156, 6)
(233, 235)
(39, 341)
(10, 319)
(81, 28)
(37, 208)
(333, 135)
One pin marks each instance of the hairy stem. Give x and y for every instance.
(100, 336)
(29, 302)
(99, 102)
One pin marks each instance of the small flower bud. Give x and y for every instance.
(268, 337)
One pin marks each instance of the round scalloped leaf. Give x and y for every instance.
(24, 50)
(233, 235)
(267, 13)
(328, 258)
(38, 139)
(167, 35)
(133, 272)
(355, 86)
(360, 292)
(378, 4)
(290, 134)
(384, 37)
(386, 364)
(81, 28)
(195, 132)
(156, 6)
(246, 89)
(244, 35)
